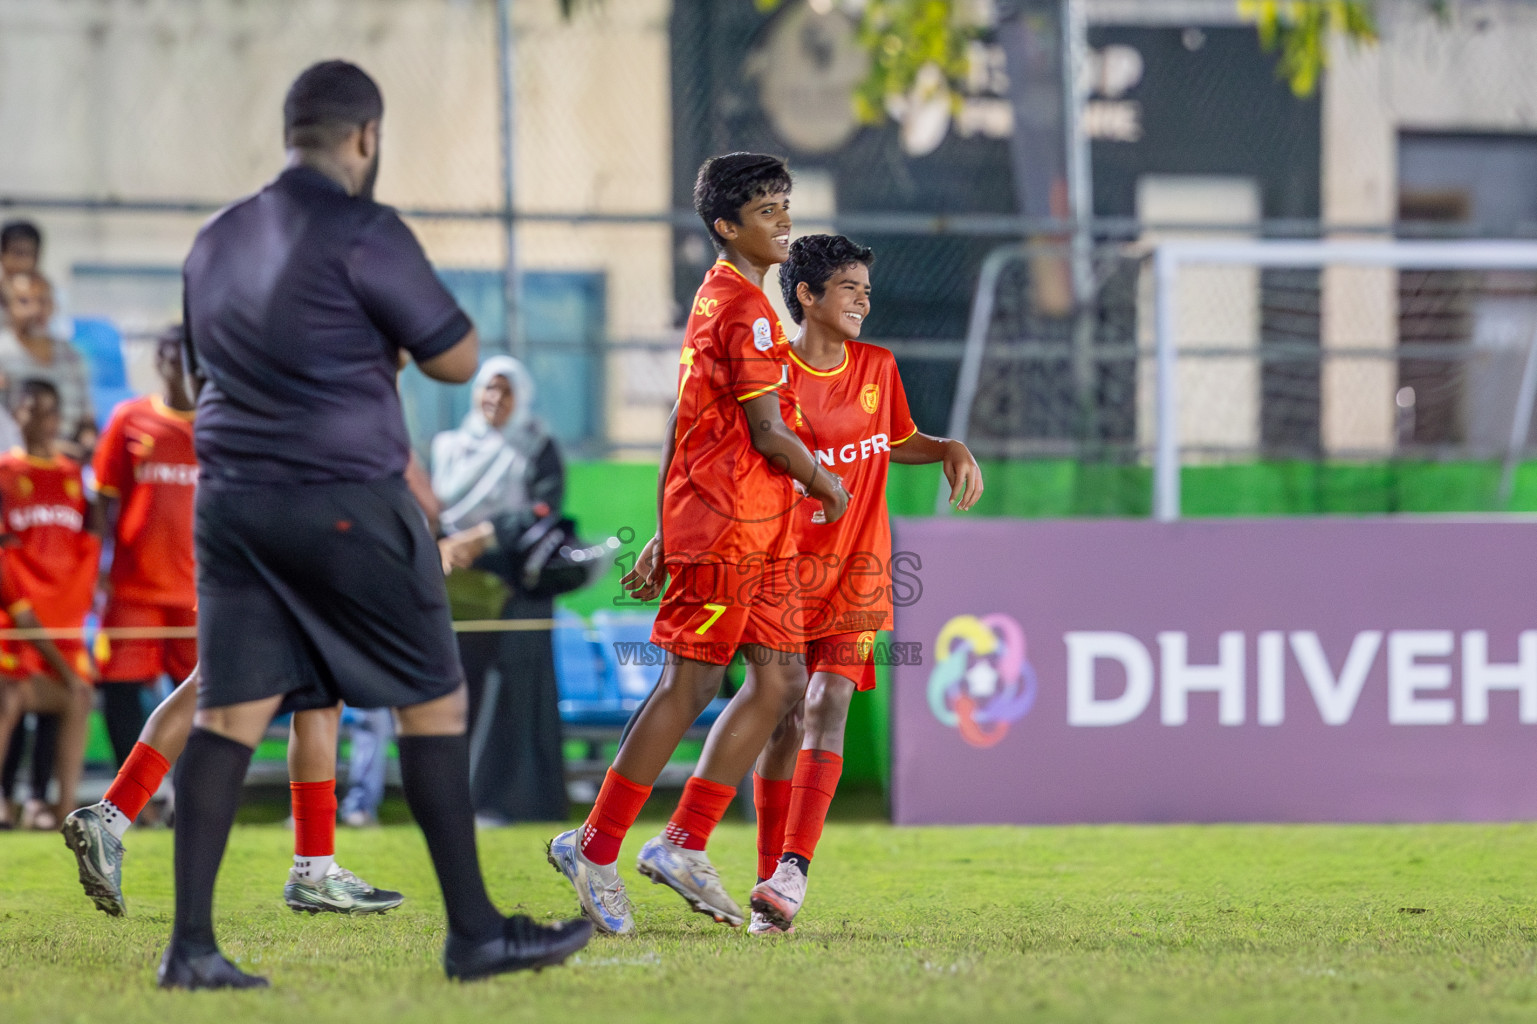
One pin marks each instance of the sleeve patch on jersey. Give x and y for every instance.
(762, 335)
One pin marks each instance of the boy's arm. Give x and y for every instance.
(961, 470)
(97, 516)
(25, 619)
(788, 454)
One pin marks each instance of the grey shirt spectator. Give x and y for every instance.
(29, 352)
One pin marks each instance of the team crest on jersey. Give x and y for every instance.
(72, 488)
(24, 485)
(870, 397)
(762, 335)
(865, 644)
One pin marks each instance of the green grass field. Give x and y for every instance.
(1241, 923)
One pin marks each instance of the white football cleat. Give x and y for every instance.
(779, 898)
(599, 891)
(690, 874)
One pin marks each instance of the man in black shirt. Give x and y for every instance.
(318, 580)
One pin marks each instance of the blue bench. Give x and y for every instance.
(102, 346)
(604, 673)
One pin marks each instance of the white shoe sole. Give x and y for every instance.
(781, 915)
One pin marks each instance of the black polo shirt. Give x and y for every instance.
(298, 302)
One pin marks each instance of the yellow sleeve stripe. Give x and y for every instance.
(750, 395)
(20, 606)
(107, 489)
(906, 439)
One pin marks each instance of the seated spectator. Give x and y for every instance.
(29, 351)
(21, 244)
(47, 578)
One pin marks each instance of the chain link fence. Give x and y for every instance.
(127, 124)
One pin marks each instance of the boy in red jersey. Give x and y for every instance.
(852, 412)
(146, 463)
(724, 497)
(146, 473)
(47, 579)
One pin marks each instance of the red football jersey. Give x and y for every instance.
(145, 460)
(850, 416)
(722, 500)
(51, 564)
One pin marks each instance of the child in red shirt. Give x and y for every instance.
(146, 471)
(47, 578)
(852, 412)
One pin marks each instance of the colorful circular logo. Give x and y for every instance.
(981, 681)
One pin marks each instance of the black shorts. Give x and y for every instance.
(320, 592)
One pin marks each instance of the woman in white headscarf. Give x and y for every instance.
(502, 467)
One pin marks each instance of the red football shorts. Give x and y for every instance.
(850, 655)
(19, 660)
(712, 608)
(135, 659)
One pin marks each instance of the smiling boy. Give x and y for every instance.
(725, 499)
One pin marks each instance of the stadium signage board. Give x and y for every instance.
(1264, 670)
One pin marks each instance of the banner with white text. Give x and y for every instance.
(1271, 670)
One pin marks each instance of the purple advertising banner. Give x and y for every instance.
(1274, 670)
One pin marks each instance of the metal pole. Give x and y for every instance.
(511, 285)
(1166, 452)
(970, 375)
(1080, 197)
(1520, 424)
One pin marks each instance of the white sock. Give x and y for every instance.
(116, 821)
(313, 869)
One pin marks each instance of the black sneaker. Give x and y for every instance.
(521, 946)
(206, 970)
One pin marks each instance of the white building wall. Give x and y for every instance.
(181, 100)
(1470, 73)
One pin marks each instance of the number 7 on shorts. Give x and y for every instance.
(716, 611)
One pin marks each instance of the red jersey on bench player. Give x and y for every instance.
(145, 461)
(49, 565)
(850, 416)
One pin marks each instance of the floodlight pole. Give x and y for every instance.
(511, 284)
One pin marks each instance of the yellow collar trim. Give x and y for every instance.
(159, 405)
(822, 373)
(35, 460)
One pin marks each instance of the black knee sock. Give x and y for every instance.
(123, 709)
(435, 772)
(209, 776)
(45, 750)
(13, 756)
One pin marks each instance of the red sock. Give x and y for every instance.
(137, 780)
(704, 803)
(619, 804)
(314, 818)
(771, 797)
(816, 779)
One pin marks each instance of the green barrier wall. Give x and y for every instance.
(609, 497)
(619, 499)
